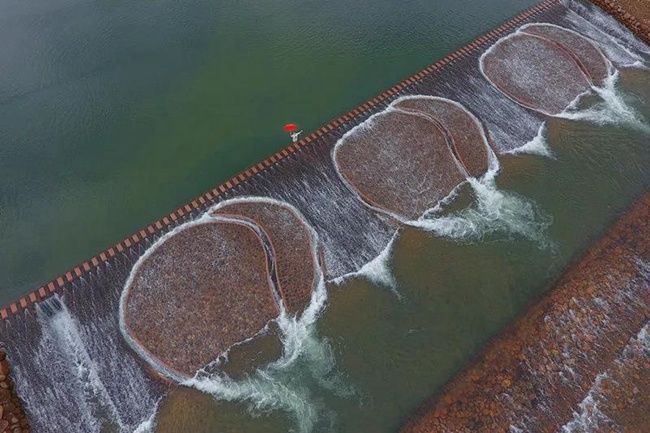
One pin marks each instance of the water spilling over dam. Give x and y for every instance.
(94, 349)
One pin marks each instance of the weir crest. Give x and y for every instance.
(73, 322)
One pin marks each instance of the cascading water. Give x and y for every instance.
(611, 109)
(87, 372)
(536, 146)
(72, 347)
(600, 26)
(493, 212)
(289, 384)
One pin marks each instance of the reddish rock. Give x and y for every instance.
(199, 292)
(586, 341)
(543, 67)
(293, 246)
(406, 159)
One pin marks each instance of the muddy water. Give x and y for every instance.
(378, 350)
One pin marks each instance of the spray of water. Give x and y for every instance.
(612, 109)
(537, 146)
(377, 271)
(493, 212)
(288, 384)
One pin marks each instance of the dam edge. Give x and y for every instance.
(211, 197)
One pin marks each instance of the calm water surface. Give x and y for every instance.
(377, 352)
(114, 112)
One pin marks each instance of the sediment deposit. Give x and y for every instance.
(293, 245)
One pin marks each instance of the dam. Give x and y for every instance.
(269, 255)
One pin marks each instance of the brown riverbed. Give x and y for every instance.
(586, 340)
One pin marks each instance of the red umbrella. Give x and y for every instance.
(290, 127)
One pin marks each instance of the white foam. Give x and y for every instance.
(87, 397)
(377, 270)
(612, 109)
(537, 146)
(493, 212)
(148, 425)
(283, 384)
(589, 416)
(306, 357)
(66, 331)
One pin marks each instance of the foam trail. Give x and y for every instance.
(377, 270)
(65, 354)
(612, 109)
(537, 146)
(283, 384)
(607, 25)
(65, 331)
(493, 211)
(148, 425)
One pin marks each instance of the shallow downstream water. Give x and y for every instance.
(387, 340)
(114, 113)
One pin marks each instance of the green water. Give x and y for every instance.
(112, 113)
(390, 350)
